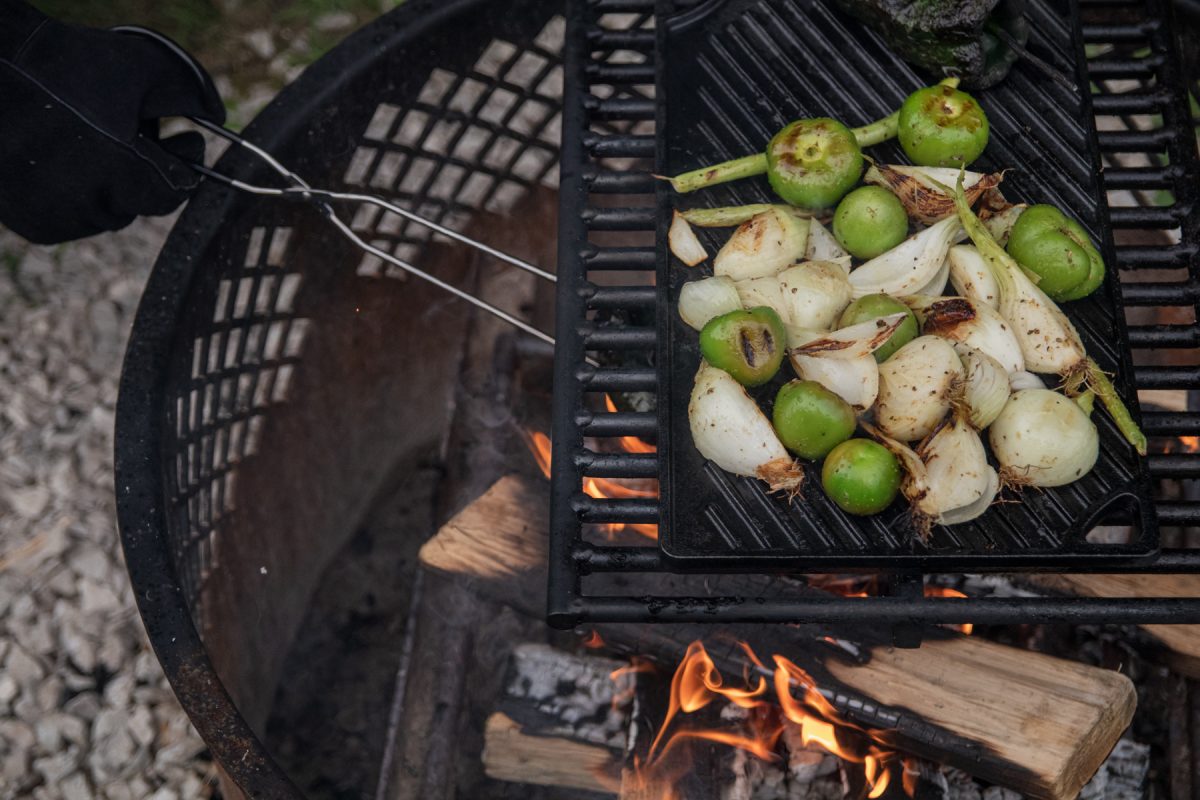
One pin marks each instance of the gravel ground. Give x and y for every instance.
(85, 711)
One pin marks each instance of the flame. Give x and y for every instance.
(697, 683)
(1191, 444)
(966, 628)
(539, 445)
(631, 444)
(594, 640)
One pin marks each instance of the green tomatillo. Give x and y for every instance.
(810, 420)
(870, 221)
(749, 345)
(873, 306)
(942, 126)
(861, 476)
(1047, 243)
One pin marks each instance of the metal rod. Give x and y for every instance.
(988, 611)
(302, 190)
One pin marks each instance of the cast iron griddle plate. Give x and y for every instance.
(736, 72)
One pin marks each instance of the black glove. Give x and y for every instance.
(79, 111)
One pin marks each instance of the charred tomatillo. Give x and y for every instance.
(811, 420)
(810, 163)
(942, 126)
(749, 345)
(1057, 249)
(874, 306)
(870, 221)
(861, 476)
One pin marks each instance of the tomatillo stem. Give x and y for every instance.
(744, 167)
(1098, 382)
(883, 129)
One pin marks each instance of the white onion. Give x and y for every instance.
(908, 266)
(1044, 439)
(816, 293)
(855, 381)
(729, 429)
(700, 301)
(1024, 380)
(854, 341)
(822, 246)
(1001, 223)
(957, 472)
(766, 291)
(961, 320)
(915, 388)
(683, 242)
(937, 285)
(987, 387)
(971, 277)
(764, 245)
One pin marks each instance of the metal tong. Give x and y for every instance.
(301, 190)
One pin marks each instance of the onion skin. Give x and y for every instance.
(856, 381)
(1042, 438)
(921, 198)
(979, 326)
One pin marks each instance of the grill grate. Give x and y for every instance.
(1145, 136)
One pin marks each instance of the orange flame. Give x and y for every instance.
(1191, 444)
(631, 444)
(942, 591)
(539, 445)
(697, 683)
(594, 640)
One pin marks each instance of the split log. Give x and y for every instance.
(510, 754)
(1181, 641)
(1022, 719)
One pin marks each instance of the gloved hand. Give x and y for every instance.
(79, 112)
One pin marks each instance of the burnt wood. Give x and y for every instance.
(1035, 723)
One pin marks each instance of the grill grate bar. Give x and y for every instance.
(619, 338)
(1125, 68)
(1140, 177)
(621, 423)
(1166, 377)
(639, 258)
(617, 465)
(607, 182)
(1174, 465)
(1150, 257)
(620, 145)
(1130, 103)
(620, 379)
(620, 219)
(621, 297)
(597, 510)
(1170, 423)
(620, 109)
(1164, 336)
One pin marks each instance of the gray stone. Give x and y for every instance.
(24, 668)
(55, 767)
(75, 787)
(85, 706)
(141, 726)
(261, 42)
(8, 689)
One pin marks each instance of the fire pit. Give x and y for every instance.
(298, 421)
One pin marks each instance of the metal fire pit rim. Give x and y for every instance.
(138, 434)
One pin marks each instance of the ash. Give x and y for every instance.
(85, 711)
